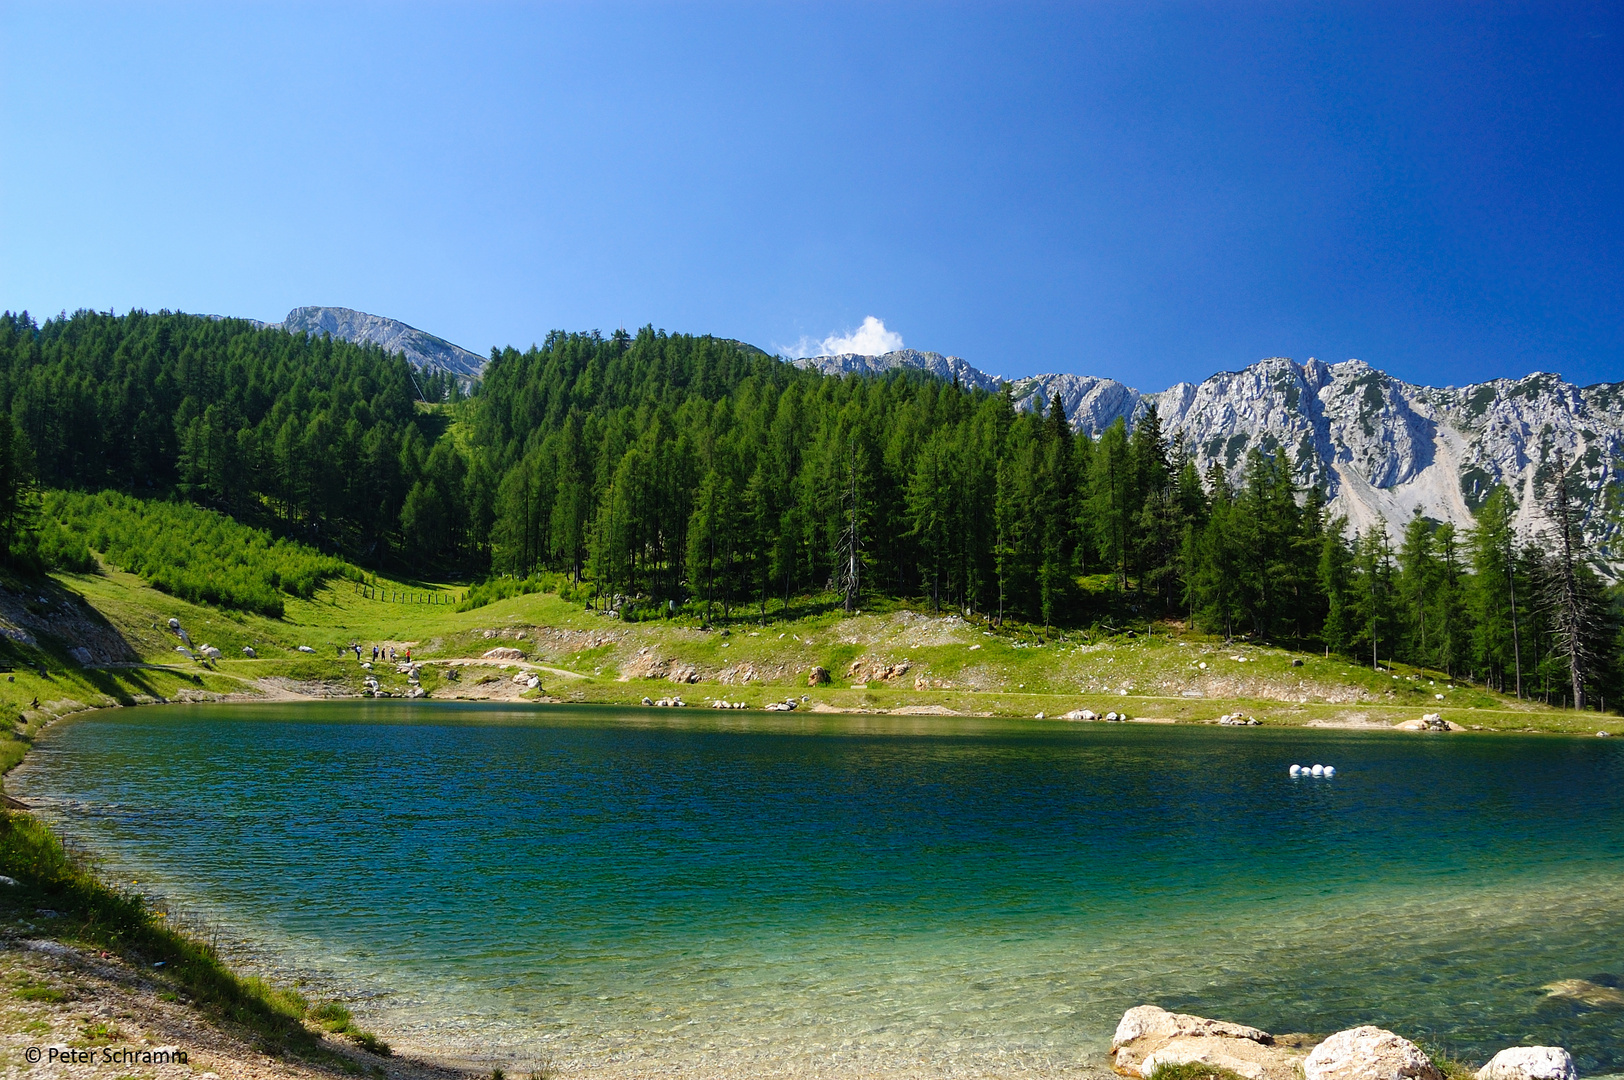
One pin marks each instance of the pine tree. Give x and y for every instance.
(17, 502)
(1573, 613)
(1336, 583)
(1373, 594)
(1110, 500)
(930, 511)
(1450, 618)
(1418, 574)
(1493, 594)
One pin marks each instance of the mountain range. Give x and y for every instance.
(1381, 448)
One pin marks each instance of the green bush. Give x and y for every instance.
(184, 550)
(60, 549)
(1193, 1070)
(503, 588)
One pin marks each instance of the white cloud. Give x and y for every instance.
(870, 339)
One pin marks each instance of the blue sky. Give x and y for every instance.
(1148, 192)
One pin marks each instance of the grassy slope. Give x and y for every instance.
(953, 664)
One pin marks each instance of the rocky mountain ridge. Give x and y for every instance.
(1381, 447)
(425, 351)
(946, 368)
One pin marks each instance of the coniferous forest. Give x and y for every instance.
(664, 472)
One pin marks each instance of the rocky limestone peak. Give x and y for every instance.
(1091, 404)
(1381, 448)
(423, 350)
(946, 368)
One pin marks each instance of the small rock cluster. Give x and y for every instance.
(1237, 720)
(1148, 1037)
(864, 670)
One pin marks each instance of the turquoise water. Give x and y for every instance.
(629, 890)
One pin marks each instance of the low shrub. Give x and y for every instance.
(504, 588)
(184, 550)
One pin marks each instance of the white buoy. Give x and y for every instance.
(1330, 770)
(1318, 770)
(1295, 769)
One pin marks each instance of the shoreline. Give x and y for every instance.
(580, 660)
(445, 1055)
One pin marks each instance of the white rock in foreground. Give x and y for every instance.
(1368, 1053)
(1151, 1021)
(1149, 1037)
(1530, 1063)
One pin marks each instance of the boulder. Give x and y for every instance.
(1530, 1063)
(210, 651)
(1595, 995)
(1368, 1053)
(818, 676)
(683, 673)
(1148, 1037)
(306, 649)
(248, 651)
(1152, 1021)
(503, 652)
(1429, 722)
(174, 624)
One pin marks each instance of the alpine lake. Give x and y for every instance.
(623, 891)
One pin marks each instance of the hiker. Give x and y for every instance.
(374, 654)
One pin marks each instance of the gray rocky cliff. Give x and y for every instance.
(1380, 447)
(944, 367)
(425, 351)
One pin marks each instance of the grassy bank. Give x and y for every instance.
(48, 894)
(54, 896)
(879, 660)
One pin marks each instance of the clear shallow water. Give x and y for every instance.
(630, 890)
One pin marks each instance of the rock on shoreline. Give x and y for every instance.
(1369, 1053)
(1530, 1063)
(1149, 1037)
